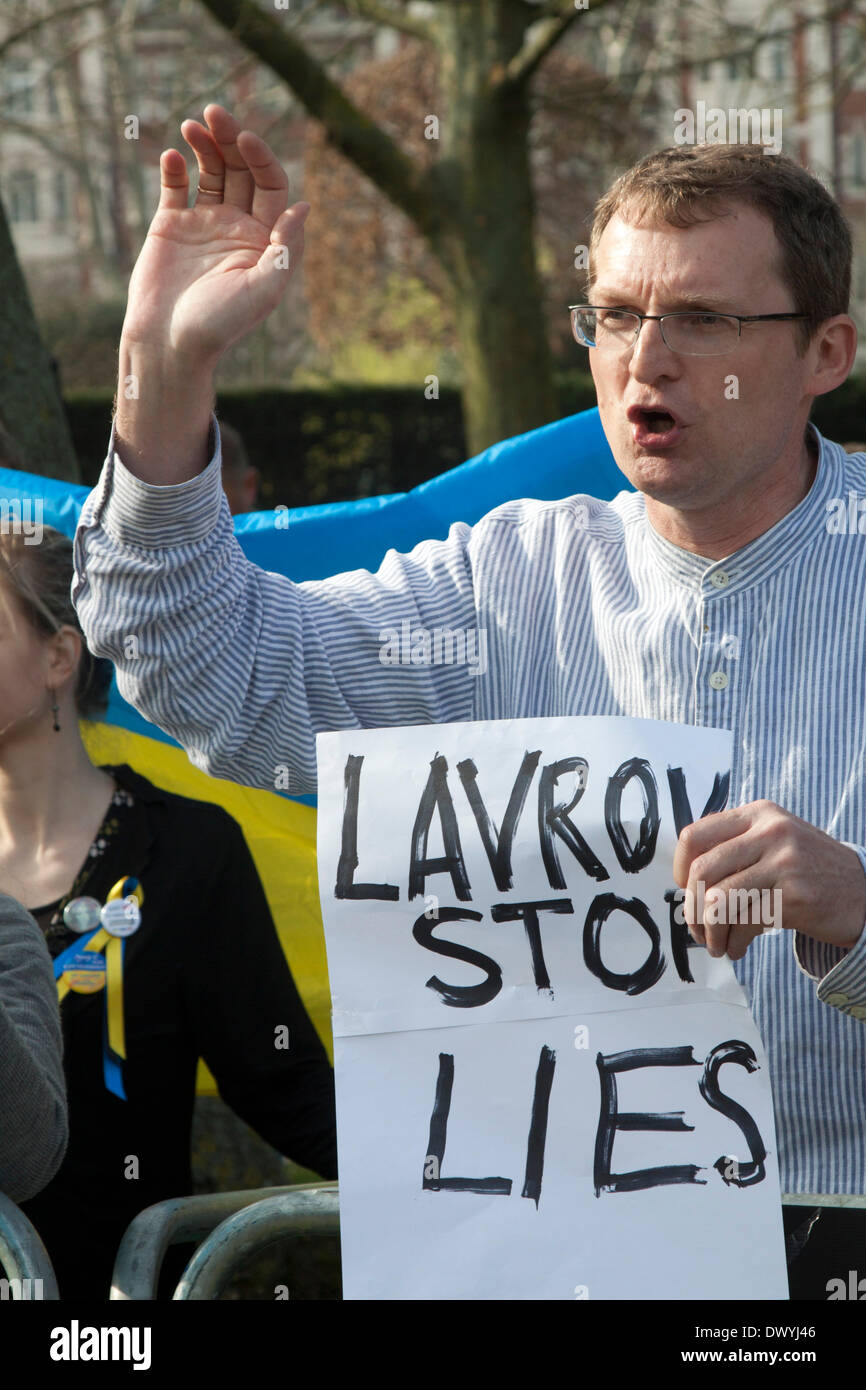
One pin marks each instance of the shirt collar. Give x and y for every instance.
(134, 782)
(766, 553)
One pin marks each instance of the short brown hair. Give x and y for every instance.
(687, 184)
(39, 578)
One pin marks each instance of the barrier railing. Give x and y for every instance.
(233, 1226)
(290, 1214)
(148, 1237)
(29, 1273)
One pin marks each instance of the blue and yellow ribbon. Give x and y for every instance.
(114, 950)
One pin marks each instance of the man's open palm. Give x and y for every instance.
(207, 274)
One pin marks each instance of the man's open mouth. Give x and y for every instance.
(655, 426)
(658, 420)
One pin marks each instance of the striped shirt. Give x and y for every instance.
(577, 607)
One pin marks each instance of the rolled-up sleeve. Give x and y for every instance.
(839, 972)
(240, 665)
(33, 1123)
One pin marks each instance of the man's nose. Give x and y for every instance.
(651, 354)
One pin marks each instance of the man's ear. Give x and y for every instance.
(833, 350)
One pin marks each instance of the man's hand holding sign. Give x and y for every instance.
(820, 882)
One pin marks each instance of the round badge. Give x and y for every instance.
(82, 914)
(85, 972)
(121, 916)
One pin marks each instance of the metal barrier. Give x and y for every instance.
(148, 1237)
(232, 1226)
(824, 1199)
(291, 1213)
(29, 1271)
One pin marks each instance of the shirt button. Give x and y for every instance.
(836, 1000)
(720, 579)
(858, 1011)
(718, 680)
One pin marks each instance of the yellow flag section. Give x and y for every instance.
(281, 835)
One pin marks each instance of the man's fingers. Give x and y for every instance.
(735, 910)
(173, 181)
(271, 185)
(703, 835)
(283, 253)
(740, 939)
(289, 229)
(727, 863)
(239, 184)
(211, 169)
(715, 932)
(236, 167)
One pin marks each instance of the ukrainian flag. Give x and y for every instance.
(567, 457)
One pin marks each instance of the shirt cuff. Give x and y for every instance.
(840, 972)
(155, 515)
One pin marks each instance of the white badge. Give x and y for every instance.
(82, 914)
(121, 916)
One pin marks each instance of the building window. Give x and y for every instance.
(21, 197)
(853, 46)
(51, 103)
(61, 197)
(18, 95)
(741, 60)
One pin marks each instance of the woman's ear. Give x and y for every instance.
(65, 653)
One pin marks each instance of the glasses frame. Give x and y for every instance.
(677, 313)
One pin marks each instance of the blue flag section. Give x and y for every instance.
(567, 457)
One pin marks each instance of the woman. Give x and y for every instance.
(193, 959)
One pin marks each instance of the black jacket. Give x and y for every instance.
(204, 976)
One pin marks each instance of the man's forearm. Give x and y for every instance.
(164, 406)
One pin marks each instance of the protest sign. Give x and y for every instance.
(545, 1089)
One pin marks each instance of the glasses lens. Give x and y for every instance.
(700, 335)
(608, 329)
(583, 326)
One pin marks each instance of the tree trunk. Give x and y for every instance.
(486, 244)
(475, 206)
(30, 405)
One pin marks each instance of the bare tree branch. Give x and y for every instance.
(64, 154)
(540, 39)
(542, 36)
(395, 19)
(52, 17)
(351, 131)
(735, 49)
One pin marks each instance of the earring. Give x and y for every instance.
(54, 709)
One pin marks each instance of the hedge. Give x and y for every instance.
(353, 441)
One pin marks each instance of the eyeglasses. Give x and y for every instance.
(694, 334)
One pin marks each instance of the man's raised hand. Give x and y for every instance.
(208, 273)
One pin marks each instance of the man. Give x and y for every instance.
(716, 595)
(240, 479)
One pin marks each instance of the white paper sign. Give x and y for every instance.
(545, 1090)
